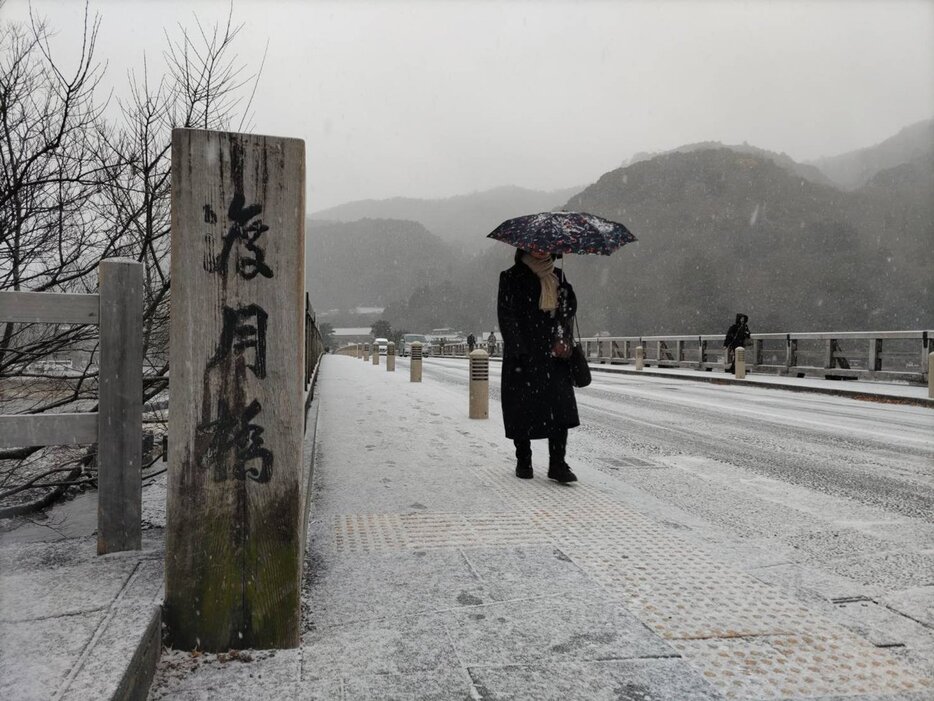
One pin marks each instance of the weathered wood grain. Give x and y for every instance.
(120, 424)
(233, 540)
(48, 307)
(23, 430)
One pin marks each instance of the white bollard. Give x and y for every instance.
(640, 358)
(366, 352)
(415, 366)
(740, 363)
(376, 354)
(479, 384)
(391, 357)
(930, 375)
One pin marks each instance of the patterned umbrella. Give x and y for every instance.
(563, 232)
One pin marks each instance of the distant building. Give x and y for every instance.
(448, 334)
(345, 336)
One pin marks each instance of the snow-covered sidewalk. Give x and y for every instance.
(433, 573)
(77, 626)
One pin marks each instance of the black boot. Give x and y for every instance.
(558, 470)
(524, 468)
(523, 459)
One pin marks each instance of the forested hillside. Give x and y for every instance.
(721, 230)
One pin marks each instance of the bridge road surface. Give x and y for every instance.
(723, 543)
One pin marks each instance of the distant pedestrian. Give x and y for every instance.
(471, 342)
(736, 337)
(536, 307)
(491, 343)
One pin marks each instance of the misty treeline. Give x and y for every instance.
(720, 231)
(85, 176)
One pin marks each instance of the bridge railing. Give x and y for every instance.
(116, 426)
(314, 349)
(873, 355)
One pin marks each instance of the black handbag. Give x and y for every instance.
(580, 368)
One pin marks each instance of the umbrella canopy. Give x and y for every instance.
(563, 232)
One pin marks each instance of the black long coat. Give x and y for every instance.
(537, 394)
(738, 333)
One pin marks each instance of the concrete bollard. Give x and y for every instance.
(640, 358)
(376, 355)
(391, 357)
(479, 384)
(740, 363)
(930, 375)
(415, 366)
(366, 352)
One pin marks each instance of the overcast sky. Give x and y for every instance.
(432, 99)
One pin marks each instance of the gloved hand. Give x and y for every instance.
(561, 349)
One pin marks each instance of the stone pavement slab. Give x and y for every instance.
(612, 680)
(433, 573)
(74, 625)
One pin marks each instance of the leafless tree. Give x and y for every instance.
(77, 189)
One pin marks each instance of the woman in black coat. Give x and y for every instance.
(536, 307)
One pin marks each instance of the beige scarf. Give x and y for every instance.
(545, 269)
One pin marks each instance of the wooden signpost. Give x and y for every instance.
(234, 545)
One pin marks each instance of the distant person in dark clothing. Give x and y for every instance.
(736, 337)
(536, 306)
(471, 342)
(491, 343)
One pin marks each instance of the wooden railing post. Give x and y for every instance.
(234, 541)
(120, 419)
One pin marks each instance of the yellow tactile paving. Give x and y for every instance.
(381, 532)
(745, 637)
(794, 666)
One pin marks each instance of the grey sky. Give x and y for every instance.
(432, 99)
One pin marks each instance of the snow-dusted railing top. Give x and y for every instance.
(116, 426)
(878, 355)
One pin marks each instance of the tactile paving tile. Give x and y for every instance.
(381, 532)
(746, 637)
(793, 666)
(363, 533)
(447, 530)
